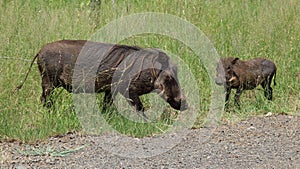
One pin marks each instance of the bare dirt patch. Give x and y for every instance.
(260, 142)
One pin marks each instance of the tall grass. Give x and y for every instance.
(240, 28)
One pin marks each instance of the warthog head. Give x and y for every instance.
(225, 74)
(168, 87)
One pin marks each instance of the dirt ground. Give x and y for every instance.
(260, 142)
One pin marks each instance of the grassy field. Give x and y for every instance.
(244, 29)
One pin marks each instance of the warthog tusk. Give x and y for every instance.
(232, 78)
(161, 93)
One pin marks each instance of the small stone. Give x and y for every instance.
(48, 160)
(21, 167)
(269, 114)
(251, 128)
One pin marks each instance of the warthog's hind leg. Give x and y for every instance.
(268, 91)
(48, 88)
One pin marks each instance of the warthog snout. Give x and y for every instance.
(178, 103)
(218, 81)
(169, 89)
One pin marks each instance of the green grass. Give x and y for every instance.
(244, 29)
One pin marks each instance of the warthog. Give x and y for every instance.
(234, 73)
(84, 66)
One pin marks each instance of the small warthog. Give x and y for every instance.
(84, 66)
(241, 75)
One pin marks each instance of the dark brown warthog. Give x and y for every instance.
(84, 66)
(245, 75)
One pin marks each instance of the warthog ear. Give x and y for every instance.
(234, 60)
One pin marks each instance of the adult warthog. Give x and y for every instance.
(234, 73)
(84, 66)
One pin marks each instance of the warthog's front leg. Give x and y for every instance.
(135, 101)
(237, 96)
(227, 95)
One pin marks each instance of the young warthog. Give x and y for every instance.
(83, 66)
(233, 73)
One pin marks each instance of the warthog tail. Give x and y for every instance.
(22, 83)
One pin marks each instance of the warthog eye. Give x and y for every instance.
(168, 78)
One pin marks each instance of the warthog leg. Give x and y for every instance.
(268, 91)
(227, 94)
(107, 100)
(135, 101)
(48, 88)
(237, 96)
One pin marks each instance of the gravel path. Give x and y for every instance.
(260, 142)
